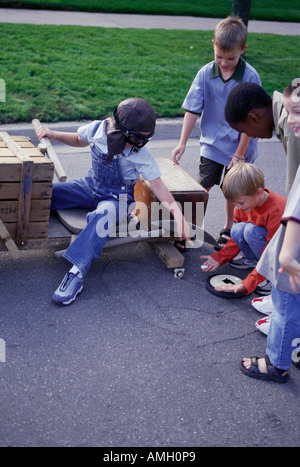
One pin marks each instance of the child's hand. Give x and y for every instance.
(210, 264)
(43, 132)
(234, 161)
(177, 153)
(293, 270)
(183, 230)
(235, 288)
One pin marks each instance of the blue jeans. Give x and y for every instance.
(250, 238)
(284, 333)
(107, 195)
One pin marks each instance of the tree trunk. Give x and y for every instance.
(241, 8)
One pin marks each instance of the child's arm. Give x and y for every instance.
(210, 264)
(72, 139)
(288, 251)
(166, 198)
(239, 155)
(189, 122)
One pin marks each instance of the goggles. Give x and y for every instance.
(135, 138)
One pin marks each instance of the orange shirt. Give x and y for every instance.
(269, 216)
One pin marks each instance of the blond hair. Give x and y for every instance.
(242, 180)
(230, 33)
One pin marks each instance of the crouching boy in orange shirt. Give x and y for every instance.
(257, 215)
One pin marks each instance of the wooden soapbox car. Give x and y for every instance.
(26, 223)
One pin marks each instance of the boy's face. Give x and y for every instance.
(248, 203)
(227, 61)
(138, 139)
(259, 124)
(292, 106)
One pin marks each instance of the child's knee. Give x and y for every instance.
(237, 231)
(253, 231)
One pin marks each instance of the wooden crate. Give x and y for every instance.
(183, 187)
(186, 191)
(25, 189)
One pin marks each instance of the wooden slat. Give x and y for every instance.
(8, 241)
(176, 179)
(24, 201)
(14, 147)
(35, 229)
(19, 138)
(39, 210)
(59, 170)
(168, 254)
(11, 191)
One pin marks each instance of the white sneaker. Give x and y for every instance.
(263, 304)
(263, 325)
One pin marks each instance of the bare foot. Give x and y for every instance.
(262, 366)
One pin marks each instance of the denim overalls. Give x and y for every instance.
(105, 192)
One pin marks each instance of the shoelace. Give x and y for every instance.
(67, 280)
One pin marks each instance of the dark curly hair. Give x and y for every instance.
(242, 99)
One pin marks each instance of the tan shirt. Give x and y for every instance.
(287, 137)
(269, 265)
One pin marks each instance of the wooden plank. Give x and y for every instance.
(74, 219)
(168, 254)
(27, 149)
(40, 190)
(10, 169)
(177, 179)
(6, 152)
(14, 147)
(23, 140)
(24, 201)
(59, 170)
(35, 229)
(58, 238)
(20, 138)
(43, 169)
(39, 210)
(41, 244)
(8, 241)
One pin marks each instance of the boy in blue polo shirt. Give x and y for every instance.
(220, 145)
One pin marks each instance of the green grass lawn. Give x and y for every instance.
(60, 73)
(275, 10)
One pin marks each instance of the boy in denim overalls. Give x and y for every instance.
(119, 157)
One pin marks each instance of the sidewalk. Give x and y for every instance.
(107, 20)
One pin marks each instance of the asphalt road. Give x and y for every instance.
(140, 359)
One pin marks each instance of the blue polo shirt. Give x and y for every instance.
(133, 164)
(207, 97)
